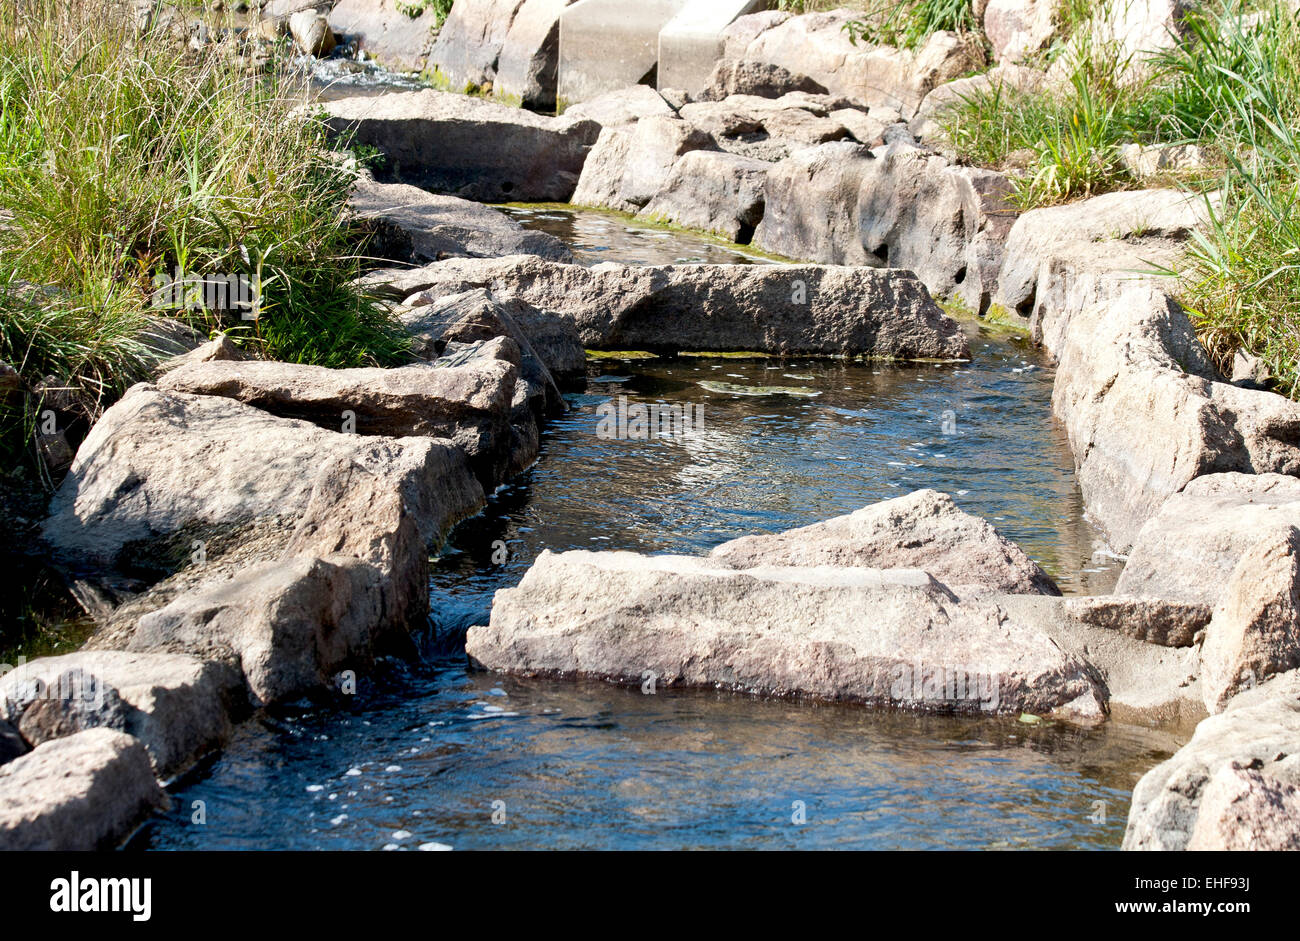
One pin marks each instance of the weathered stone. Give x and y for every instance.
(528, 65)
(1004, 79)
(812, 205)
(1150, 620)
(220, 347)
(177, 706)
(311, 33)
(1016, 29)
(717, 192)
(1145, 162)
(435, 140)
(1125, 35)
(468, 47)
(469, 406)
(1258, 730)
(624, 175)
(763, 79)
(1190, 549)
(159, 466)
(623, 106)
(764, 308)
(84, 792)
(923, 530)
(393, 37)
(883, 638)
(414, 226)
(1246, 810)
(1255, 633)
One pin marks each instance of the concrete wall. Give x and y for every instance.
(610, 44)
(691, 43)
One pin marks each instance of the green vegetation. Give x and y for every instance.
(909, 23)
(125, 156)
(1232, 88)
(439, 8)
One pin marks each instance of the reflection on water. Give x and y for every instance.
(598, 236)
(426, 752)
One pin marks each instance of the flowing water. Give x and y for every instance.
(433, 755)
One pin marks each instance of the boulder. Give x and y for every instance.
(470, 406)
(716, 192)
(1242, 809)
(1150, 620)
(762, 79)
(692, 41)
(465, 55)
(220, 347)
(1190, 550)
(763, 308)
(1255, 632)
(1257, 730)
(625, 174)
(812, 200)
(88, 791)
(165, 466)
(882, 638)
(1125, 35)
(311, 33)
(771, 129)
(435, 140)
(1016, 29)
(528, 66)
(923, 530)
(622, 106)
(411, 225)
(178, 707)
(395, 35)
(1007, 80)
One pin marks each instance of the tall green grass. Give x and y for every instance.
(125, 155)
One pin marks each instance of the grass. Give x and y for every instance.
(909, 23)
(1232, 91)
(439, 8)
(123, 156)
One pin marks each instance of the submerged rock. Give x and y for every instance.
(890, 638)
(797, 309)
(84, 792)
(923, 530)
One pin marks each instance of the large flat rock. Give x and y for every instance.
(891, 638)
(436, 140)
(796, 309)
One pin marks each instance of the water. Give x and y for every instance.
(433, 751)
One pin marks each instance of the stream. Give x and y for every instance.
(431, 755)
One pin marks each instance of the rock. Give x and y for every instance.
(1257, 730)
(528, 66)
(385, 32)
(816, 45)
(1150, 620)
(883, 638)
(166, 337)
(902, 207)
(923, 530)
(311, 32)
(11, 743)
(1016, 29)
(763, 308)
(220, 347)
(1249, 372)
(625, 174)
(763, 79)
(768, 129)
(476, 316)
(435, 140)
(413, 226)
(1245, 810)
(468, 47)
(1148, 683)
(1126, 34)
(1191, 548)
(165, 466)
(1005, 79)
(1255, 632)
(84, 792)
(692, 41)
(468, 406)
(177, 706)
(1146, 162)
(715, 192)
(623, 106)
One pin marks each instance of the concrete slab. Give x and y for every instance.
(691, 43)
(606, 45)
